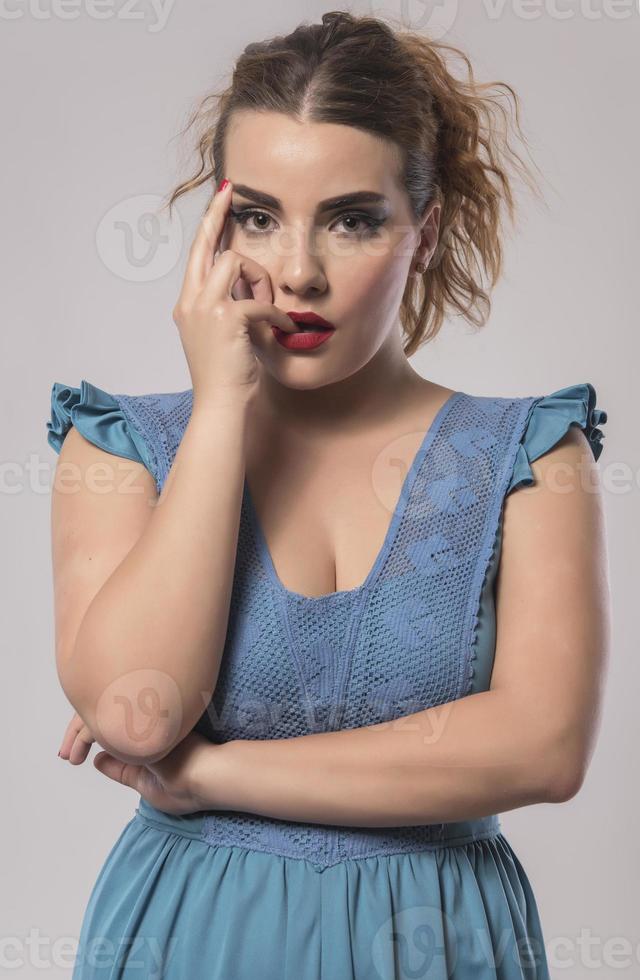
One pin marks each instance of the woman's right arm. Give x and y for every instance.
(143, 584)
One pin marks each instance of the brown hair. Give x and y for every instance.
(359, 71)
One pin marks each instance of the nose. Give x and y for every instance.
(301, 269)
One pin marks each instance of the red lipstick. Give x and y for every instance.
(304, 339)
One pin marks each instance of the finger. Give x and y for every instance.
(120, 772)
(138, 778)
(204, 245)
(255, 312)
(232, 266)
(241, 290)
(81, 746)
(72, 729)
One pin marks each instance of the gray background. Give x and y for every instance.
(91, 109)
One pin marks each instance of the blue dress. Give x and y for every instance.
(236, 896)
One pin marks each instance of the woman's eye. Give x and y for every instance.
(242, 217)
(371, 224)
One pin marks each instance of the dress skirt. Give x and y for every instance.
(167, 905)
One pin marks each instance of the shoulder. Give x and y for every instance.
(142, 427)
(565, 421)
(562, 426)
(556, 521)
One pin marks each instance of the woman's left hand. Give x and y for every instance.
(76, 742)
(167, 785)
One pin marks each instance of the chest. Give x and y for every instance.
(356, 602)
(324, 517)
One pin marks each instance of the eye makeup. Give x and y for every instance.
(371, 222)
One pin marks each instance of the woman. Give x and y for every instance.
(309, 620)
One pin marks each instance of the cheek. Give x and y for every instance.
(375, 281)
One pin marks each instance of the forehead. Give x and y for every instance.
(274, 152)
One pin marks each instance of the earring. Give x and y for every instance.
(420, 269)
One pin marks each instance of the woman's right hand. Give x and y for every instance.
(214, 327)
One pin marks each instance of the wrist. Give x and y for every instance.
(223, 401)
(213, 775)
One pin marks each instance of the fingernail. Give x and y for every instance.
(223, 184)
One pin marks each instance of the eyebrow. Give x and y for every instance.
(329, 204)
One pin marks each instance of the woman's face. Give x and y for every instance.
(349, 262)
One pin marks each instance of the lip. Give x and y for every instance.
(311, 319)
(301, 341)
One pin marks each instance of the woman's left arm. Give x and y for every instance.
(528, 739)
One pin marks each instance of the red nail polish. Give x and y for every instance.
(223, 184)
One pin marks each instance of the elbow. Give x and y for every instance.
(138, 718)
(137, 745)
(131, 737)
(564, 786)
(565, 765)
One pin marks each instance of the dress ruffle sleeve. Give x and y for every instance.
(550, 419)
(98, 416)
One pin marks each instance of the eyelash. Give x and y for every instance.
(372, 224)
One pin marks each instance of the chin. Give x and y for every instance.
(304, 373)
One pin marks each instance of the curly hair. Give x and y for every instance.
(394, 83)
